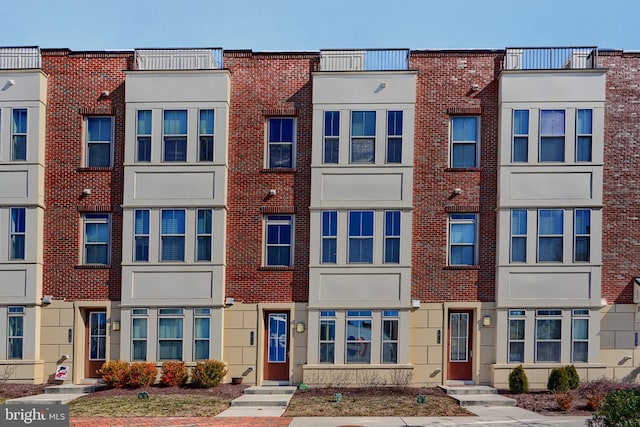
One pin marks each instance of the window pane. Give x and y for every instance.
(280, 155)
(204, 221)
(99, 129)
(464, 155)
(580, 351)
(584, 122)
(392, 250)
(327, 351)
(394, 150)
(463, 233)
(516, 352)
(19, 121)
(549, 329)
(462, 255)
(175, 122)
(552, 122)
(518, 249)
(331, 123)
(329, 223)
(516, 329)
(331, 150)
(281, 130)
(206, 122)
(394, 123)
(205, 149)
(175, 149)
(17, 247)
(139, 329)
(141, 222)
(520, 149)
(550, 249)
(465, 128)
(99, 155)
(583, 149)
(551, 222)
(204, 248)
(521, 122)
(361, 250)
(172, 248)
(580, 329)
(173, 222)
(278, 255)
(329, 246)
(363, 150)
(548, 352)
(363, 123)
(552, 149)
(139, 350)
(144, 149)
(519, 222)
(19, 149)
(144, 122)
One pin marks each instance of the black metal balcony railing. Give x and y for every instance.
(178, 59)
(364, 60)
(14, 58)
(551, 58)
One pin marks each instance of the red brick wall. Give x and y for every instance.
(76, 82)
(263, 85)
(444, 82)
(621, 195)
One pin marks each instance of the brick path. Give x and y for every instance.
(181, 422)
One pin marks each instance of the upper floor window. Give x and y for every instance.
(390, 322)
(552, 131)
(204, 234)
(392, 236)
(361, 237)
(582, 235)
(329, 236)
(141, 235)
(15, 332)
(331, 137)
(99, 142)
(172, 235)
(19, 134)
(584, 136)
(363, 136)
(464, 142)
(519, 235)
(205, 136)
(520, 136)
(394, 137)
(550, 235)
(17, 233)
(281, 141)
(462, 239)
(96, 238)
(175, 136)
(279, 240)
(143, 136)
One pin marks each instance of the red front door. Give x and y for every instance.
(460, 352)
(95, 349)
(276, 355)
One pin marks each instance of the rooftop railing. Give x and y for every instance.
(364, 60)
(178, 59)
(551, 58)
(13, 58)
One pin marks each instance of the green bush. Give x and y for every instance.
(174, 373)
(558, 380)
(518, 381)
(208, 373)
(574, 378)
(619, 408)
(115, 373)
(142, 374)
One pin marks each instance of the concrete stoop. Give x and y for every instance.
(57, 394)
(261, 401)
(477, 395)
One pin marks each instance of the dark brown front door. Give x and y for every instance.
(276, 355)
(95, 349)
(460, 345)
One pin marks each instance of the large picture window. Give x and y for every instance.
(548, 335)
(170, 333)
(358, 336)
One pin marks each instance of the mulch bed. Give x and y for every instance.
(12, 391)
(370, 392)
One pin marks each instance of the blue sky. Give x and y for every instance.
(294, 25)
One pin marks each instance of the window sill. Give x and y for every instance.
(276, 268)
(462, 267)
(92, 267)
(463, 170)
(102, 169)
(279, 170)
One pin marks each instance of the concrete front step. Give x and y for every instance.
(466, 400)
(262, 400)
(46, 399)
(270, 389)
(73, 388)
(469, 389)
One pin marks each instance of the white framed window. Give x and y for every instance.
(327, 336)
(580, 335)
(392, 237)
(204, 234)
(463, 239)
(550, 235)
(139, 334)
(201, 333)
(361, 237)
(175, 135)
(281, 142)
(465, 142)
(518, 235)
(15, 332)
(97, 230)
(363, 137)
(19, 134)
(99, 148)
(584, 135)
(520, 147)
(358, 336)
(552, 133)
(390, 323)
(394, 136)
(143, 136)
(17, 233)
(141, 235)
(279, 240)
(205, 136)
(329, 237)
(330, 150)
(172, 235)
(582, 235)
(548, 335)
(170, 333)
(516, 336)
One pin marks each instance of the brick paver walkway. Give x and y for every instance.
(181, 422)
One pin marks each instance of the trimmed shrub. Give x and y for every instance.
(518, 381)
(115, 373)
(208, 373)
(564, 400)
(574, 378)
(619, 408)
(142, 374)
(558, 380)
(174, 373)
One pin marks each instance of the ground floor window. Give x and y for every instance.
(390, 323)
(15, 332)
(201, 333)
(516, 335)
(170, 332)
(580, 335)
(358, 336)
(327, 336)
(139, 331)
(548, 335)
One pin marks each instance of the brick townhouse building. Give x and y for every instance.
(336, 217)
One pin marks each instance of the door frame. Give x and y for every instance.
(474, 310)
(81, 320)
(262, 343)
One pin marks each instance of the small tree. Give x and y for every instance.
(558, 380)
(518, 381)
(572, 375)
